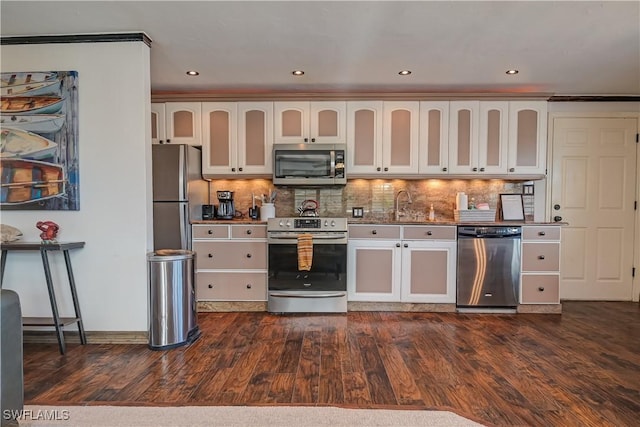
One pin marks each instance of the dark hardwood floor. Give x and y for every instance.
(581, 368)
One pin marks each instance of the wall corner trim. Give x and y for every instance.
(76, 38)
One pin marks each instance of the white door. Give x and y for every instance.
(593, 190)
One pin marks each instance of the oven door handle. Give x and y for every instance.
(292, 237)
(309, 295)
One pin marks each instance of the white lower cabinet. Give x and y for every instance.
(540, 278)
(231, 262)
(394, 263)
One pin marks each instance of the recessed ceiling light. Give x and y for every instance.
(297, 72)
(193, 73)
(404, 72)
(512, 72)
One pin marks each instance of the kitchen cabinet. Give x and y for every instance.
(310, 122)
(383, 138)
(374, 267)
(429, 255)
(527, 138)
(237, 139)
(478, 132)
(540, 277)
(434, 138)
(393, 263)
(231, 262)
(176, 123)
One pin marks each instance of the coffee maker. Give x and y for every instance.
(225, 209)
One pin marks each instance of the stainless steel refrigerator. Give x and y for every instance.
(178, 194)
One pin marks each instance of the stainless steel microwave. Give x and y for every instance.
(309, 164)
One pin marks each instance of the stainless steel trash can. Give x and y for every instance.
(172, 299)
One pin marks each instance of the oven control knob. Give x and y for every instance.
(333, 223)
(288, 224)
(280, 223)
(326, 223)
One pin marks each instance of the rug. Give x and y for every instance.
(223, 416)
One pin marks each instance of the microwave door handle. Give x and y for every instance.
(332, 157)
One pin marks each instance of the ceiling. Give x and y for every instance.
(559, 47)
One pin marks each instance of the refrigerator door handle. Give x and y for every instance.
(184, 232)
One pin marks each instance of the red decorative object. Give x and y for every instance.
(49, 230)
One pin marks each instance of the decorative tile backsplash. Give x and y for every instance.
(376, 196)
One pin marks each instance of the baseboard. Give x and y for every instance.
(230, 306)
(93, 337)
(540, 308)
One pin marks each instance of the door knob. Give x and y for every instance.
(557, 218)
(556, 207)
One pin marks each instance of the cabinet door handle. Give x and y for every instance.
(406, 245)
(374, 231)
(429, 233)
(475, 169)
(540, 256)
(378, 169)
(541, 289)
(239, 169)
(557, 218)
(248, 285)
(512, 169)
(444, 169)
(386, 169)
(248, 231)
(481, 169)
(306, 140)
(168, 141)
(210, 231)
(541, 233)
(210, 255)
(233, 169)
(313, 140)
(210, 286)
(397, 245)
(248, 255)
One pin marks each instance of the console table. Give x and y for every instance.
(56, 320)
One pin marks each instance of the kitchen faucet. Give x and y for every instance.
(409, 201)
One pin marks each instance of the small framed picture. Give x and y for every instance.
(511, 207)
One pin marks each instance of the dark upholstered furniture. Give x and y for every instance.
(11, 374)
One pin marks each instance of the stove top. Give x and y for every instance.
(307, 224)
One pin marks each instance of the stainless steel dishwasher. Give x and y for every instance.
(488, 273)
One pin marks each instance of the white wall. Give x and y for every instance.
(115, 216)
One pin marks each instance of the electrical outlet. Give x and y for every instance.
(357, 212)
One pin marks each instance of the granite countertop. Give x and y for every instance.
(229, 221)
(373, 221)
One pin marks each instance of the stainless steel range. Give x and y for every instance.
(322, 289)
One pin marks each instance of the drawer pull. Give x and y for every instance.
(248, 231)
(248, 255)
(210, 286)
(540, 256)
(397, 245)
(541, 233)
(406, 245)
(429, 233)
(210, 231)
(210, 255)
(541, 289)
(374, 232)
(248, 285)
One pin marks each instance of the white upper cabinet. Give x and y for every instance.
(434, 138)
(527, 137)
(183, 123)
(478, 132)
(310, 122)
(400, 132)
(364, 137)
(237, 138)
(158, 131)
(492, 139)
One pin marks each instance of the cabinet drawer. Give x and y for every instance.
(541, 233)
(231, 286)
(248, 231)
(231, 255)
(210, 231)
(540, 256)
(429, 232)
(374, 232)
(540, 289)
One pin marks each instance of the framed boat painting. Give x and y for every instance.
(39, 141)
